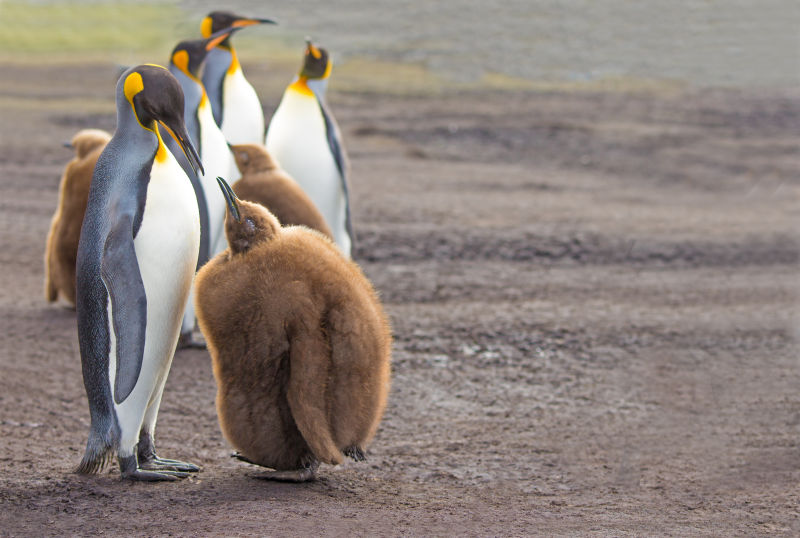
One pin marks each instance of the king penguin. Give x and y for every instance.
(237, 109)
(305, 140)
(185, 63)
(137, 256)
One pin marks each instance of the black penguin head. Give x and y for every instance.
(189, 55)
(247, 223)
(155, 97)
(316, 63)
(220, 20)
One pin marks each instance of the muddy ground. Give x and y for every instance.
(594, 300)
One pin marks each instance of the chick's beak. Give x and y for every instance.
(230, 198)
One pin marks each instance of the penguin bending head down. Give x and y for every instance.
(305, 139)
(186, 60)
(65, 230)
(136, 258)
(237, 109)
(265, 183)
(299, 342)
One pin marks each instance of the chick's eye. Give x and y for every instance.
(249, 224)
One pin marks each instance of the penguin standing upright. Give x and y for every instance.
(136, 259)
(237, 109)
(186, 61)
(305, 140)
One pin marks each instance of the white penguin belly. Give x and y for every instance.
(217, 161)
(297, 139)
(166, 248)
(242, 116)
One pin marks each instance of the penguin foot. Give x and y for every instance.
(241, 457)
(131, 471)
(167, 465)
(356, 453)
(298, 475)
(187, 341)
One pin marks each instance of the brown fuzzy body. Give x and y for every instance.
(65, 229)
(299, 341)
(265, 183)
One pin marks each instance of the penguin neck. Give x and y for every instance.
(129, 127)
(217, 62)
(300, 86)
(193, 96)
(234, 65)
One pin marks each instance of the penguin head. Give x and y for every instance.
(219, 20)
(189, 55)
(86, 140)
(247, 224)
(316, 63)
(252, 158)
(155, 97)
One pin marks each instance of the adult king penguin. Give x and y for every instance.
(136, 258)
(237, 109)
(305, 140)
(185, 63)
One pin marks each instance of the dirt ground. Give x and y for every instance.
(595, 305)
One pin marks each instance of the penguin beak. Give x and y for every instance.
(241, 23)
(178, 131)
(312, 50)
(230, 198)
(218, 37)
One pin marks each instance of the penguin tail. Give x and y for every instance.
(99, 451)
(50, 291)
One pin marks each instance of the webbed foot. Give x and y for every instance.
(356, 453)
(307, 473)
(131, 471)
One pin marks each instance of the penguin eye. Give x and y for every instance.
(249, 225)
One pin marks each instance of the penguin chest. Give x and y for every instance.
(217, 161)
(167, 244)
(298, 140)
(242, 117)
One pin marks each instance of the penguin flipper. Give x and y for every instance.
(335, 144)
(309, 358)
(119, 270)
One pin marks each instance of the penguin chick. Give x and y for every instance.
(65, 230)
(299, 342)
(265, 183)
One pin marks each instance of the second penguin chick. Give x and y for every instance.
(299, 342)
(264, 182)
(65, 230)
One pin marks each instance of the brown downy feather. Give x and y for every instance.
(65, 230)
(299, 342)
(264, 182)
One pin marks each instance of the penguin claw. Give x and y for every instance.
(241, 457)
(153, 476)
(297, 475)
(169, 466)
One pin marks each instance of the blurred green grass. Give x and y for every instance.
(45, 31)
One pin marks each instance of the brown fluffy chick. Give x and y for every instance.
(65, 229)
(299, 341)
(266, 183)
